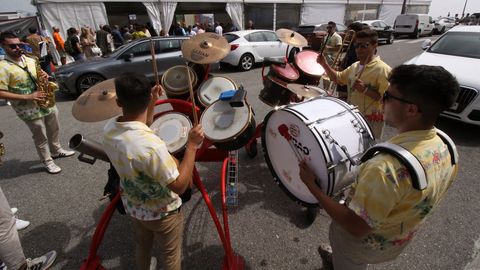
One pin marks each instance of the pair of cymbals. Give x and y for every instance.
(306, 91)
(98, 103)
(205, 48)
(291, 37)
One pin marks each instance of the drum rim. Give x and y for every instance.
(178, 93)
(199, 89)
(276, 177)
(178, 113)
(274, 67)
(250, 115)
(307, 73)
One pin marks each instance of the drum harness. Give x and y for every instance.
(413, 165)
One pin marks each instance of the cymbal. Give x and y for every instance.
(291, 37)
(306, 91)
(98, 103)
(205, 48)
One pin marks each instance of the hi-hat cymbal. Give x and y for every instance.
(205, 48)
(306, 91)
(98, 103)
(291, 37)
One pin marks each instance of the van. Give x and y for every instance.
(414, 25)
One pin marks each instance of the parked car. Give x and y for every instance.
(135, 56)
(385, 32)
(315, 33)
(413, 25)
(443, 24)
(248, 47)
(463, 62)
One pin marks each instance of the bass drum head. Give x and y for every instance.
(222, 122)
(172, 128)
(283, 161)
(209, 91)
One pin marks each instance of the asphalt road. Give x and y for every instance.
(267, 228)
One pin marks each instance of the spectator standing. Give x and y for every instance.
(117, 37)
(218, 29)
(72, 45)
(59, 45)
(139, 32)
(250, 25)
(104, 39)
(40, 49)
(88, 43)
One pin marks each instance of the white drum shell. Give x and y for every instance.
(310, 136)
(209, 91)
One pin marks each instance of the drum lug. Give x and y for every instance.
(331, 166)
(344, 149)
(358, 127)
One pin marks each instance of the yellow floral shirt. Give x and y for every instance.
(374, 75)
(16, 80)
(383, 195)
(145, 168)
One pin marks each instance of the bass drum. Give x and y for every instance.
(229, 128)
(318, 128)
(173, 128)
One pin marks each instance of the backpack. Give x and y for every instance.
(69, 46)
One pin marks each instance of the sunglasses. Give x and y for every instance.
(14, 46)
(361, 45)
(386, 96)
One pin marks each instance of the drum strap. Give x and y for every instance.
(414, 167)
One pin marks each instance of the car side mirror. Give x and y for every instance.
(426, 44)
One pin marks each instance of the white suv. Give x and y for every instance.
(458, 52)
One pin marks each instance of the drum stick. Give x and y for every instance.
(154, 62)
(192, 96)
(283, 130)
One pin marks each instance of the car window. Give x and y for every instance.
(170, 45)
(376, 24)
(341, 28)
(449, 44)
(255, 37)
(322, 27)
(382, 24)
(270, 36)
(140, 49)
(230, 37)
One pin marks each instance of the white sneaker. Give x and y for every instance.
(21, 224)
(153, 263)
(52, 167)
(63, 153)
(42, 263)
(14, 210)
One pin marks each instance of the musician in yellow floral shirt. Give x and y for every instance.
(384, 209)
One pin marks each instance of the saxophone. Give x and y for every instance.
(45, 86)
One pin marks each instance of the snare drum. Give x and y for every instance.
(173, 128)
(229, 128)
(275, 92)
(318, 135)
(310, 69)
(209, 91)
(175, 82)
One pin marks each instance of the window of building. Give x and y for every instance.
(417, 9)
(260, 14)
(361, 12)
(288, 16)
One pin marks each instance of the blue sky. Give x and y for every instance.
(437, 8)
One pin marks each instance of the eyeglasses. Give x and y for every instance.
(361, 45)
(14, 46)
(387, 96)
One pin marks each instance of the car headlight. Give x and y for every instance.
(63, 76)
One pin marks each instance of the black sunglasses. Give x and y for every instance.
(14, 46)
(361, 45)
(387, 96)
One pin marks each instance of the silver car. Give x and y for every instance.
(135, 56)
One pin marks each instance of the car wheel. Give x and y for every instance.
(391, 39)
(246, 62)
(86, 81)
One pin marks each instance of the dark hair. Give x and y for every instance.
(6, 35)
(368, 33)
(356, 26)
(32, 30)
(134, 92)
(432, 88)
(333, 24)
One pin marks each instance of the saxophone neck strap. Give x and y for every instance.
(25, 68)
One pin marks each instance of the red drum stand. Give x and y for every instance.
(231, 260)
